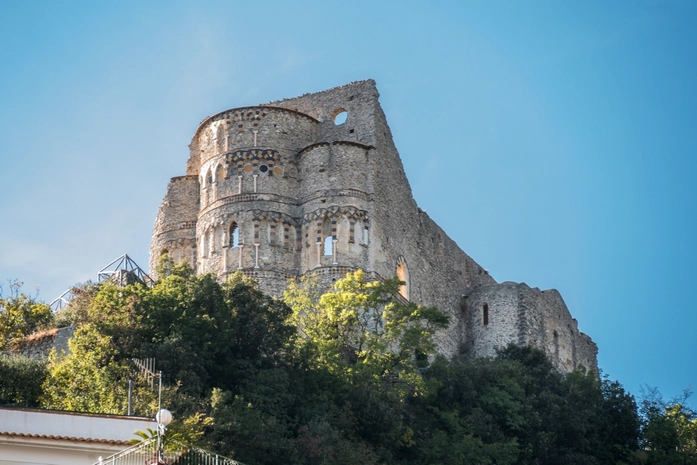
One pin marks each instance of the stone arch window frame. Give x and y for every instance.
(218, 175)
(283, 222)
(326, 236)
(233, 234)
(206, 183)
(232, 239)
(331, 221)
(210, 239)
(208, 178)
(272, 229)
(328, 246)
(212, 137)
(315, 220)
(402, 273)
(220, 135)
(282, 225)
(182, 249)
(204, 245)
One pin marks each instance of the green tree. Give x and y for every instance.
(20, 380)
(20, 315)
(360, 331)
(204, 336)
(91, 378)
(517, 408)
(669, 430)
(359, 356)
(340, 377)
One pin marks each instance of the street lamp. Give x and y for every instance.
(164, 418)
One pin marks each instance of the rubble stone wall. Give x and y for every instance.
(285, 189)
(499, 314)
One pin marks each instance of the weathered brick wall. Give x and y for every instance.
(308, 195)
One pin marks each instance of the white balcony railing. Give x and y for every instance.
(146, 453)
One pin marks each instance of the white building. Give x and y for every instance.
(48, 437)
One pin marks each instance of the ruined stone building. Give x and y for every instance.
(314, 184)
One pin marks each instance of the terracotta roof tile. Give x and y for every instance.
(64, 438)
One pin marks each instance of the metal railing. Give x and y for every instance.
(122, 272)
(126, 266)
(146, 453)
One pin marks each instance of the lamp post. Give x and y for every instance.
(164, 418)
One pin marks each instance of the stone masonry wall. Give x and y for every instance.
(39, 345)
(550, 326)
(497, 315)
(285, 189)
(174, 232)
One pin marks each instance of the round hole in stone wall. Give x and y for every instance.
(263, 168)
(340, 117)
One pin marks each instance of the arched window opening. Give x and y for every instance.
(209, 179)
(485, 314)
(403, 275)
(234, 235)
(218, 181)
(327, 235)
(164, 252)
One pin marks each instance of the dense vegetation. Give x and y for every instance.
(345, 377)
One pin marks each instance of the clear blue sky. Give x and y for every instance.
(556, 142)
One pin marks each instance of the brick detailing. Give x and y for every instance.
(184, 225)
(352, 214)
(242, 161)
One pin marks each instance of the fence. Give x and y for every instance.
(146, 453)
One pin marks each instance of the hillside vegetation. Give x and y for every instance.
(345, 377)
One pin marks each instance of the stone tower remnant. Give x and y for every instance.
(314, 184)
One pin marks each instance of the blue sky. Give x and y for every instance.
(556, 142)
